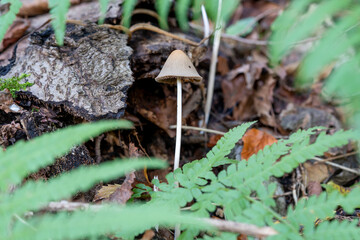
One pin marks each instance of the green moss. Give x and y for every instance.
(13, 84)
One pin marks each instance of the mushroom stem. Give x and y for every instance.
(178, 123)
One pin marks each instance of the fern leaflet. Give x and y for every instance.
(25, 157)
(128, 7)
(7, 19)
(58, 11)
(163, 8)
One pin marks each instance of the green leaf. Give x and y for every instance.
(242, 27)
(181, 10)
(33, 195)
(8, 18)
(163, 7)
(128, 8)
(103, 9)
(126, 221)
(227, 9)
(58, 11)
(25, 157)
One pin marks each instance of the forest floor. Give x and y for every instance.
(247, 88)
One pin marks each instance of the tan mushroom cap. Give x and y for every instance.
(178, 65)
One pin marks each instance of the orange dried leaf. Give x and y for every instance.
(213, 140)
(255, 140)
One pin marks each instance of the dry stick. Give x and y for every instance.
(222, 225)
(214, 56)
(147, 12)
(241, 228)
(357, 172)
(149, 27)
(198, 129)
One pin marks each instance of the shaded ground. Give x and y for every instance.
(247, 88)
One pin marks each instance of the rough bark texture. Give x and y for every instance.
(89, 75)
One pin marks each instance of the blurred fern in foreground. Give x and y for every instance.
(239, 189)
(338, 46)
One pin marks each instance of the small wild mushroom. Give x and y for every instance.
(177, 69)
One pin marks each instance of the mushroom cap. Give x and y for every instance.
(178, 65)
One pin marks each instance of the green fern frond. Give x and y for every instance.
(321, 54)
(287, 31)
(128, 8)
(24, 157)
(103, 7)
(163, 7)
(181, 10)
(227, 9)
(307, 211)
(103, 220)
(58, 11)
(335, 230)
(33, 195)
(7, 19)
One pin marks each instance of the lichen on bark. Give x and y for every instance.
(90, 74)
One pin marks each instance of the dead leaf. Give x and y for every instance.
(235, 88)
(222, 65)
(7, 133)
(7, 103)
(213, 140)
(254, 141)
(14, 33)
(123, 193)
(263, 102)
(317, 172)
(148, 235)
(105, 192)
(314, 188)
(159, 110)
(37, 7)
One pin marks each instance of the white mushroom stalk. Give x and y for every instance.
(178, 68)
(178, 123)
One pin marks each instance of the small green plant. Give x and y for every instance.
(13, 85)
(238, 189)
(241, 192)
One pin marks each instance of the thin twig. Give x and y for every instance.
(357, 172)
(147, 12)
(198, 129)
(241, 228)
(149, 27)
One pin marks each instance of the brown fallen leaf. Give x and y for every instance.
(254, 141)
(14, 33)
(123, 193)
(7, 103)
(7, 133)
(263, 102)
(158, 110)
(148, 235)
(213, 140)
(36, 7)
(317, 172)
(105, 191)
